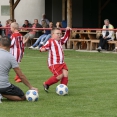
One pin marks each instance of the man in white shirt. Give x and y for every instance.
(107, 35)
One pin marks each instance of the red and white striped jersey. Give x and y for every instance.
(56, 54)
(17, 46)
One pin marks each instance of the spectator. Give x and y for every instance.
(58, 24)
(107, 35)
(14, 20)
(7, 61)
(44, 18)
(8, 30)
(33, 33)
(64, 23)
(43, 38)
(26, 24)
(0, 29)
(44, 24)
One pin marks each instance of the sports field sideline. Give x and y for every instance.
(92, 87)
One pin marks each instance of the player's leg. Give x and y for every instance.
(52, 80)
(14, 98)
(13, 93)
(64, 80)
(17, 78)
(57, 71)
(19, 57)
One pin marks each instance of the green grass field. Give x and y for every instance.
(92, 87)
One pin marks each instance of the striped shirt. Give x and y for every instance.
(56, 54)
(17, 46)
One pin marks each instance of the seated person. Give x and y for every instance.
(26, 25)
(33, 33)
(43, 38)
(8, 30)
(58, 24)
(64, 23)
(6, 25)
(44, 18)
(14, 20)
(44, 24)
(116, 34)
(107, 35)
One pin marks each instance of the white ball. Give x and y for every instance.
(62, 89)
(32, 95)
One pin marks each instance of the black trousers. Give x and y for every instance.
(104, 43)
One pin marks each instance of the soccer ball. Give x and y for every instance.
(62, 89)
(32, 95)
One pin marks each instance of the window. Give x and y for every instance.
(5, 10)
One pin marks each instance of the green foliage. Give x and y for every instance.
(92, 87)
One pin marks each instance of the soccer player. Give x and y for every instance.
(56, 57)
(7, 61)
(17, 46)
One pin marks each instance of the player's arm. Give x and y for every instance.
(66, 35)
(23, 78)
(12, 42)
(46, 47)
(43, 49)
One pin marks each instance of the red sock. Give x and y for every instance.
(51, 80)
(64, 80)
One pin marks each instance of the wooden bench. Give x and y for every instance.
(113, 42)
(71, 40)
(94, 39)
(94, 44)
(80, 43)
(74, 42)
(85, 42)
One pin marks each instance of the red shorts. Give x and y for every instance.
(57, 69)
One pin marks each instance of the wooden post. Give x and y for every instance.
(69, 13)
(16, 3)
(63, 9)
(69, 19)
(12, 8)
